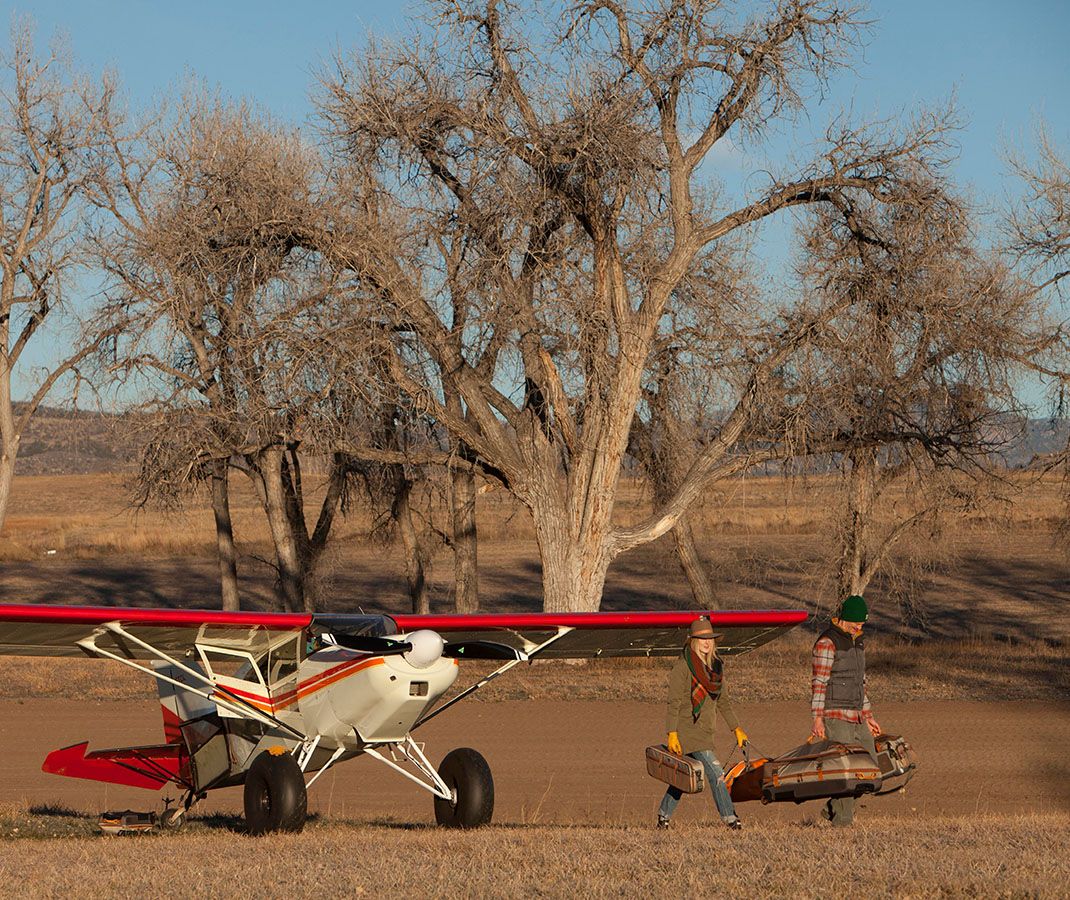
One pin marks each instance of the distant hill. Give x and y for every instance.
(1043, 439)
(74, 442)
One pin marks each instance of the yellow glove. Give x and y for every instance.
(674, 743)
(741, 737)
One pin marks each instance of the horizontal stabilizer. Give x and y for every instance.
(141, 767)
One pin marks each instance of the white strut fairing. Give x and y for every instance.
(379, 697)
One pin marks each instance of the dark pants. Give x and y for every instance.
(841, 811)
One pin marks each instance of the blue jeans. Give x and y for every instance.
(715, 780)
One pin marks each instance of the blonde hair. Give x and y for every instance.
(706, 658)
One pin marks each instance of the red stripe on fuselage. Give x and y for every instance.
(310, 686)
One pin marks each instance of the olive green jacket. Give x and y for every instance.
(695, 735)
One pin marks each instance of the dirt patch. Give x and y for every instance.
(581, 763)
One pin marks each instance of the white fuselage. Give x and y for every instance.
(351, 698)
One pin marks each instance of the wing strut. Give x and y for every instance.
(501, 670)
(233, 703)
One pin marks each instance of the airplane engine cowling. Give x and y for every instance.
(379, 697)
(426, 649)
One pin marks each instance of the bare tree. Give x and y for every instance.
(918, 376)
(228, 318)
(1037, 229)
(170, 440)
(525, 214)
(50, 149)
(400, 493)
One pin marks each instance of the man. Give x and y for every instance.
(839, 702)
(696, 695)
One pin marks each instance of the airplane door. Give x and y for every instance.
(237, 672)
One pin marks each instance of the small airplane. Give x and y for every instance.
(273, 700)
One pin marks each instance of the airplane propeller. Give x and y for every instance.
(366, 643)
(481, 650)
(382, 646)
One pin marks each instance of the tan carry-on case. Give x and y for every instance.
(681, 772)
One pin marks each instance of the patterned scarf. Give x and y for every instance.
(705, 680)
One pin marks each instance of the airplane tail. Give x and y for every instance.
(142, 767)
(179, 705)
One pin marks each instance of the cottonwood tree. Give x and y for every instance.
(523, 209)
(687, 390)
(918, 375)
(50, 149)
(229, 318)
(1037, 231)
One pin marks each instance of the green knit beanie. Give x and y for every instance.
(854, 609)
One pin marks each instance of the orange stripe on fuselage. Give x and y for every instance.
(340, 672)
(322, 680)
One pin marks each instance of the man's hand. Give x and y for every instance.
(874, 728)
(741, 737)
(817, 732)
(674, 744)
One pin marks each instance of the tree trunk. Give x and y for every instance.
(228, 562)
(415, 558)
(465, 542)
(287, 555)
(860, 487)
(9, 450)
(573, 568)
(9, 436)
(692, 564)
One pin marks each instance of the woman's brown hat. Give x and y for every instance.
(701, 629)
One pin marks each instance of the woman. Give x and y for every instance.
(696, 695)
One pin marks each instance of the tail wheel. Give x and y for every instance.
(173, 818)
(467, 775)
(275, 796)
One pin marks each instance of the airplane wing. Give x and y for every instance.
(32, 630)
(600, 634)
(39, 630)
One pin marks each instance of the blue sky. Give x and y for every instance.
(1007, 64)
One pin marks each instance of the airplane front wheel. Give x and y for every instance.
(467, 775)
(275, 796)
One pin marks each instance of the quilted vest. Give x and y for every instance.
(846, 688)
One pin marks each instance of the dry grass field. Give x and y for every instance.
(988, 814)
(89, 516)
(982, 857)
(998, 574)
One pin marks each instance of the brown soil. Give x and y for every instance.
(559, 762)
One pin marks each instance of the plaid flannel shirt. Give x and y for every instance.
(824, 652)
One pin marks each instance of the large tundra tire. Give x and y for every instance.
(467, 775)
(275, 796)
